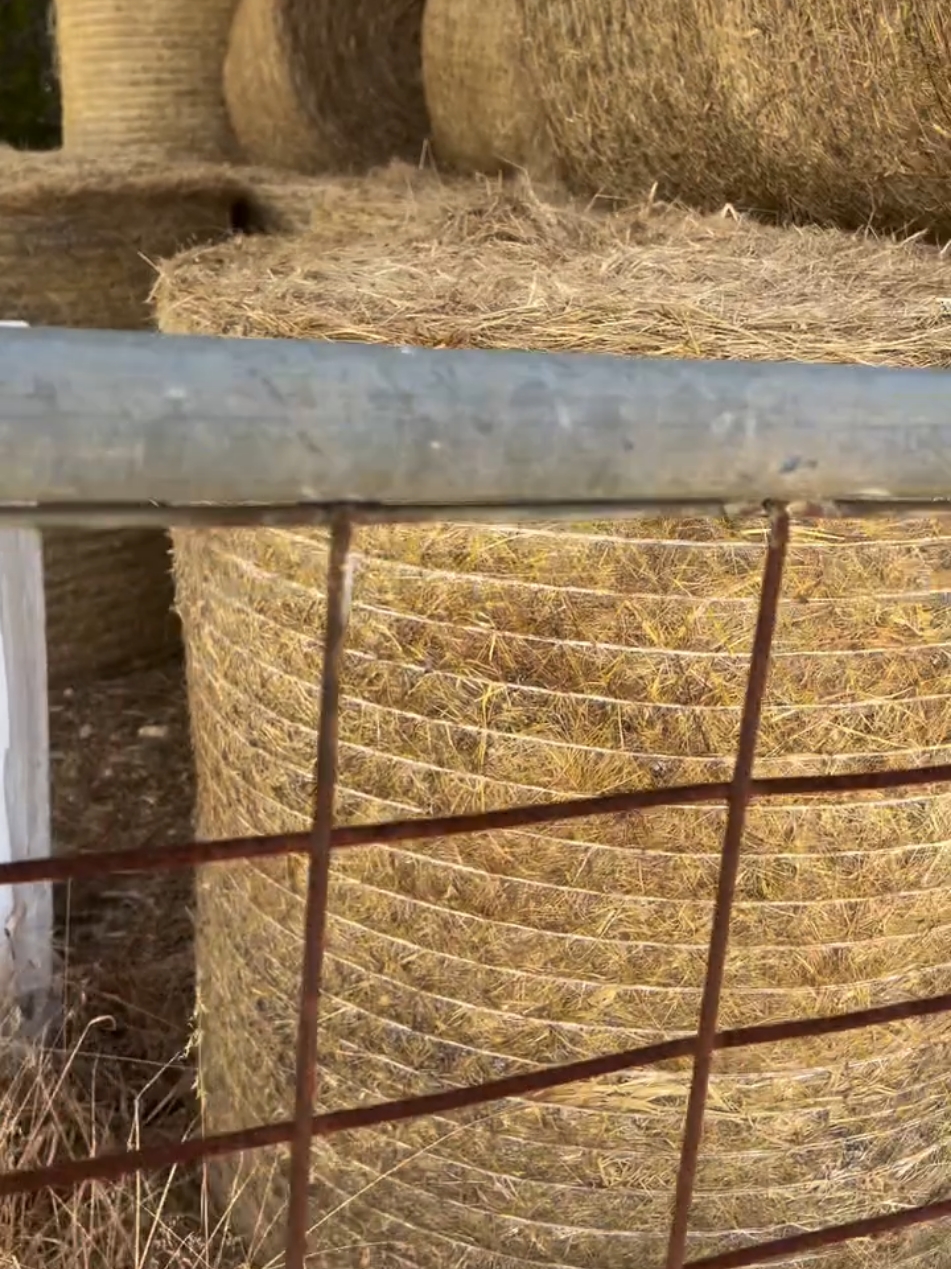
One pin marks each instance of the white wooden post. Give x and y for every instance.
(26, 911)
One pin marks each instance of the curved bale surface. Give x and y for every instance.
(264, 107)
(78, 242)
(485, 111)
(109, 602)
(631, 96)
(831, 112)
(144, 77)
(492, 665)
(315, 85)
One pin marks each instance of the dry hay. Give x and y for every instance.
(80, 238)
(336, 207)
(484, 115)
(831, 111)
(316, 85)
(490, 665)
(109, 600)
(139, 78)
(78, 241)
(263, 104)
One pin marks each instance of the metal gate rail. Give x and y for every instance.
(106, 429)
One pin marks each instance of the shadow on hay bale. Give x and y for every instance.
(485, 113)
(144, 77)
(78, 245)
(834, 112)
(489, 665)
(316, 85)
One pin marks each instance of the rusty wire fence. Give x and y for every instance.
(763, 465)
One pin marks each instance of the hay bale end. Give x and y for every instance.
(316, 85)
(144, 78)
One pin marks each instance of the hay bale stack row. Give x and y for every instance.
(832, 112)
(316, 85)
(78, 241)
(490, 665)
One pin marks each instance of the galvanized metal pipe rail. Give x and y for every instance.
(111, 420)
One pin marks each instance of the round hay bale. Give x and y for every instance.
(492, 665)
(263, 105)
(316, 85)
(630, 96)
(109, 603)
(485, 112)
(832, 112)
(846, 111)
(80, 239)
(78, 246)
(144, 78)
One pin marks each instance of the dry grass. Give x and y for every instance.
(487, 264)
(315, 85)
(831, 111)
(266, 110)
(120, 1072)
(109, 598)
(488, 665)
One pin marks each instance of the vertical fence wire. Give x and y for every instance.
(339, 574)
(737, 803)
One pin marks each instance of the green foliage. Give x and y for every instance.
(29, 97)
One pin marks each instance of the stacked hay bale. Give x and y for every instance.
(78, 241)
(315, 85)
(832, 111)
(492, 665)
(139, 78)
(484, 115)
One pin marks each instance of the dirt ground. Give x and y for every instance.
(121, 776)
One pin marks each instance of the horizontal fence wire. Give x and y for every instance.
(390, 832)
(324, 838)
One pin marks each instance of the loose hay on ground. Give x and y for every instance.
(315, 85)
(488, 665)
(835, 112)
(78, 245)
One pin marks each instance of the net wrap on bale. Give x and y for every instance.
(315, 85)
(144, 77)
(829, 111)
(493, 665)
(78, 242)
(485, 113)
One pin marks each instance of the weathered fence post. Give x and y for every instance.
(26, 912)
